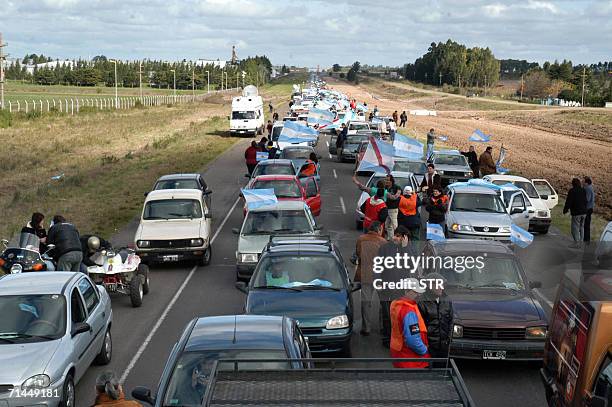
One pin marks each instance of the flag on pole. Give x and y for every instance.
(407, 147)
(520, 236)
(500, 160)
(435, 232)
(320, 116)
(294, 132)
(257, 198)
(378, 156)
(479, 137)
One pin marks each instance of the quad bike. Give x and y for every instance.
(121, 272)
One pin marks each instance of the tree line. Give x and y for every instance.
(157, 74)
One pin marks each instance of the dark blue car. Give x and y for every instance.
(305, 278)
(208, 339)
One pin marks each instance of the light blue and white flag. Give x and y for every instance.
(435, 232)
(520, 236)
(294, 132)
(479, 137)
(362, 107)
(257, 198)
(320, 116)
(443, 138)
(377, 157)
(500, 160)
(262, 155)
(407, 147)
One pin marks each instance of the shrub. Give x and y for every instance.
(6, 119)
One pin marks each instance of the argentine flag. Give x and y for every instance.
(479, 137)
(257, 198)
(500, 160)
(520, 236)
(362, 107)
(320, 116)
(435, 232)
(407, 147)
(377, 157)
(294, 132)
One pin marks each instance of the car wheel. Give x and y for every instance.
(136, 292)
(143, 270)
(106, 353)
(68, 392)
(205, 259)
(544, 230)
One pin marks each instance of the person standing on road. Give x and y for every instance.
(271, 150)
(270, 107)
(408, 329)
(261, 146)
(366, 248)
(374, 209)
(590, 195)
(403, 119)
(486, 164)
(436, 206)
(67, 243)
(408, 214)
(430, 180)
(250, 155)
(437, 312)
(110, 393)
(375, 111)
(392, 200)
(275, 117)
(342, 136)
(472, 158)
(431, 138)
(35, 227)
(576, 204)
(400, 244)
(269, 128)
(395, 116)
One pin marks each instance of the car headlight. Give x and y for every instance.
(38, 381)
(543, 214)
(248, 257)
(457, 331)
(536, 332)
(341, 321)
(196, 242)
(440, 172)
(504, 229)
(469, 174)
(16, 268)
(455, 227)
(143, 243)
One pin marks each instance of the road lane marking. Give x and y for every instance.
(327, 142)
(175, 298)
(543, 297)
(335, 173)
(342, 205)
(330, 156)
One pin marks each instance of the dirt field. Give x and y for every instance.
(551, 143)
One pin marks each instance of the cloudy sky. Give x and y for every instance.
(308, 32)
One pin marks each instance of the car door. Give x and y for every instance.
(312, 195)
(82, 341)
(518, 210)
(96, 317)
(547, 192)
(332, 143)
(602, 389)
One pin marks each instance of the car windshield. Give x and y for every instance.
(172, 209)
(492, 271)
(273, 169)
(306, 272)
(467, 202)
(296, 153)
(269, 222)
(32, 318)
(356, 139)
(282, 188)
(177, 184)
(243, 115)
(410, 166)
(399, 181)
(450, 159)
(276, 131)
(189, 378)
(359, 126)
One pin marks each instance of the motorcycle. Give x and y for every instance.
(22, 254)
(121, 272)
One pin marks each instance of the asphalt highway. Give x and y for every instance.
(143, 337)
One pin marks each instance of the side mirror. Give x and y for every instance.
(535, 284)
(208, 215)
(241, 286)
(143, 394)
(50, 247)
(235, 231)
(145, 194)
(355, 286)
(320, 227)
(247, 176)
(544, 196)
(79, 328)
(515, 210)
(207, 192)
(228, 118)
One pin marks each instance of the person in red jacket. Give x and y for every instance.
(408, 329)
(374, 209)
(250, 156)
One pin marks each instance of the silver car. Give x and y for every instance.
(53, 326)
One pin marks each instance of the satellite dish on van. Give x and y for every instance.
(250, 91)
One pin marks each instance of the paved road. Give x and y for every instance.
(143, 337)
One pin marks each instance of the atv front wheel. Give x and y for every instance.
(136, 291)
(143, 270)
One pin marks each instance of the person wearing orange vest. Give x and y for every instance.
(374, 209)
(408, 329)
(309, 169)
(408, 215)
(437, 205)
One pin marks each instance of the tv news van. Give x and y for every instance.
(247, 116)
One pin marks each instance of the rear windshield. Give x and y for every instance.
(177, 184)
(296, 153)
(449, 159)
(269, 222)
(273, 169)
(172, 209)
(282, 188)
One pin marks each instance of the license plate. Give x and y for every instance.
(452, 180)
(170, 257)
(494, 354)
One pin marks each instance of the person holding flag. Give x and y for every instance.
(472, 158)
(486, 163)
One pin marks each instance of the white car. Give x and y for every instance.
(355, 126)
(175, 225)
(541, 220)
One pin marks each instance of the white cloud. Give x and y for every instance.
(495, 10)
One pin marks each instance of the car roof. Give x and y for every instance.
(174, 194)
(178, 176)
(396, 174)
(458, 246)
(237, 332)
(472, 189)
(447, 152)
(302, 248)
(281, 161)
(42, 282)
(281, 206)
(298, 147)
(274, 177)
(495, 177)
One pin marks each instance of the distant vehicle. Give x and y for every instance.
(541, 220)
(247, 116)
(547, 192)
(290, 188)
(355, 126)
(290, 118)
(478, 212)
(497, 316)
(54, 325)
(286, 217)
(305, 278)
(402, 179)
(175, 225)
(451, 166)
(298, 154)
(274, 167)
(418, 167)
(205, 340)
(184, 181)
(349, 149)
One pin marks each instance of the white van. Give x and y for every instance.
(247, 113)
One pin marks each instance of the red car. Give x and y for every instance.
(289, 187)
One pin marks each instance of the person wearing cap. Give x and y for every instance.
(408, 329)
(437, 312)
(110, 393)
(408, 215)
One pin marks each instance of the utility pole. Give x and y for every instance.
(193, 82)
(114, 61)
(459, 80)
(522, 85)
(583, 79)
(485, 85)
(207, 81)
(440, 78)
(2, 59)
(237, 81)
(140, 79)
(174, 83)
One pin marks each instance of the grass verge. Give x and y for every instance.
(563, 222)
